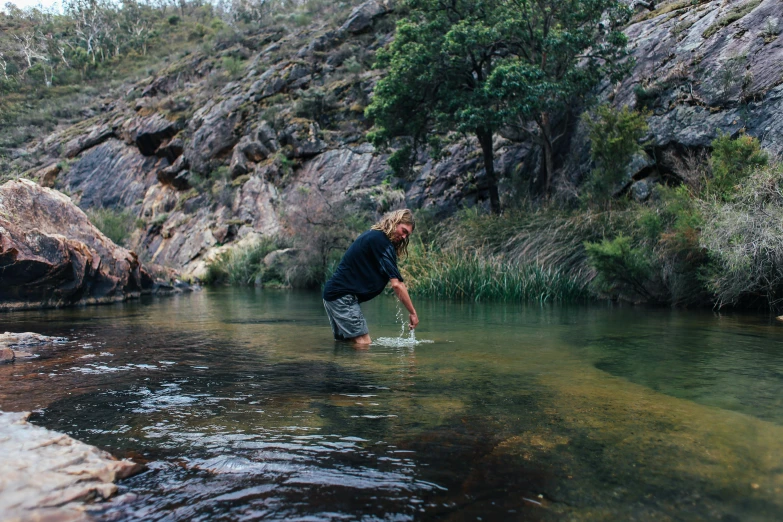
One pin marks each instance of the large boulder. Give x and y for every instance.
(52, 256)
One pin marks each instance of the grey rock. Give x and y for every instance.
(23, 345)
(238, 165)
(111, 175)
(641, 190)
(254, 150)
(148, 133)
(362, 17)
(182, 180)
(321, 43)
(168, 174)
(268, 137)
(171, 149)
(97, 135)
(213, 133)
(279, 256)
(640, 162)
(48, 175)
(304, 140)
(296, 71)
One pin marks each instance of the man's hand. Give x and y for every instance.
(402, 294)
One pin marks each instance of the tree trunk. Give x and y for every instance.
(546, 143)
(485, 139)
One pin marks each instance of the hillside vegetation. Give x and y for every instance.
(462, 95)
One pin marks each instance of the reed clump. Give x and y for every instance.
(431, 272)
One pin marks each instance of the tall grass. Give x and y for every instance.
(547, 237)
(471, 275)
(115, 225)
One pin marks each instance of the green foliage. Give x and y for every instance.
(743, 241)
(244, 266)
(732, 161)
(232, 66)
(159, 220)
(445, 72)
(315, 104)
(614, 139)
(620, 267)
(116, 225)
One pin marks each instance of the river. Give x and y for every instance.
(244, 408)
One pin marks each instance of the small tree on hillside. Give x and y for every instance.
(476, 66)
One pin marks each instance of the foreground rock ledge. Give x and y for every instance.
(45, 475)
(52, 256)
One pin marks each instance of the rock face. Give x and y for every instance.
(45, 475)
(229, 160)
(702, 70)
(51, 255)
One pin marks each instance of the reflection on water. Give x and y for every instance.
(245, 408)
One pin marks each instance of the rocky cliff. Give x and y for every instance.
(207, 158)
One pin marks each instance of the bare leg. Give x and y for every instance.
(363, 340)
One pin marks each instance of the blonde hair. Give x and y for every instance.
(388, 225)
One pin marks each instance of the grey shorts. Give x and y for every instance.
(346, 317)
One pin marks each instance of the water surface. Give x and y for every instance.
(244, 408)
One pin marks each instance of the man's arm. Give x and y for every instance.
(402, 294)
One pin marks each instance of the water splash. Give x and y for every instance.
(400, 319)
(402, 341)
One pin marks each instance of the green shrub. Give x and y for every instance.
(743, 240)
(116, 225)
(732, 161)
(159, 220)
(243, 266)
(678, 254)
(232, 66)
(614, 139)
(315, 104)
(621, 268)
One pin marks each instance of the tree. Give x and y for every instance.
(477, 66)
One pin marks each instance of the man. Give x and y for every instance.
(367, 266)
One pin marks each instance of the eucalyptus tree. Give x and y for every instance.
(478, 66)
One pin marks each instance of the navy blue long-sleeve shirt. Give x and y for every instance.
(365, 269)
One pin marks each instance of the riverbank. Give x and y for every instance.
(710, 241)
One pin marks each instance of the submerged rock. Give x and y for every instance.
(21, 345)
(51, 255)
(45, 475)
